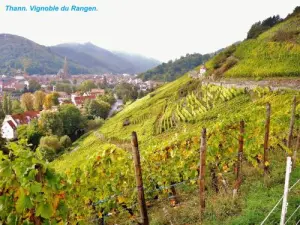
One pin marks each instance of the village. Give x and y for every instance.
(67, 89)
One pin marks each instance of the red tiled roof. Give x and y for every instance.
(98, 91)
(11, 123)
(24, 118)
(79, 100)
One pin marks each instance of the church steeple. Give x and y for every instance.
(66, 69)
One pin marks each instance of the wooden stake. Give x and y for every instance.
(290, 137)
(294, 159)
(240, 158)
(202, 172)
(139, 179)
(266, 142)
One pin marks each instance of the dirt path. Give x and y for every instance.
(273, 84)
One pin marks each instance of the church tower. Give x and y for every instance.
(66, 70)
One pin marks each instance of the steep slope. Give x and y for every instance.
(18, 52)
(174, 69)
(100, 59)
(168, 123)
(141, 63)
(274, 53)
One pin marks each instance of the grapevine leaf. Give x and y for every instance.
(23, 202)
(44, 210)
(35, 187)
(12, 219)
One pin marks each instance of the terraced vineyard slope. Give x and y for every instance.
(168, 123)
(274, 53)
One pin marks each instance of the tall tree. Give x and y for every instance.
(99, 108)
(16, 106)
(72, 119)
(27, 102)
(51, 123)
(34, 85)
(39, 99)
(87, 85)
(6, 105)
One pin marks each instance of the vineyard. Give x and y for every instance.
(96, 183)
(275, 53)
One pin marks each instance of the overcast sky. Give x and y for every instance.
(162, 29)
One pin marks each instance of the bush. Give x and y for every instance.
(92, 124)
(51, 142)
(46, 153)
(282, 36)
(65, 141)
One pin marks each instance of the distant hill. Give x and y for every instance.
(272, 49)
(141, 63)
(18, 52)
(174, 69)
(102, 60)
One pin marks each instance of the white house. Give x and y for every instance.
(11, 122)
(9, 130)
(202, 70)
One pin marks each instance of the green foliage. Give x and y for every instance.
(39, 100)
(30, 191)
(126, 92)
(98, 108)
(87, 85)
(260, 27)
(49, 147)
(54, 97)
(95, 123)
(71, 119)
(174, 69)
(108, 97)
(16, 107)
(51, 123)
(65, 87)
(6, 104)
(34, 85)
(275, 53)
(65, 141)
(31, 132)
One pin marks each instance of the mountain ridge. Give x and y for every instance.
(20, 53)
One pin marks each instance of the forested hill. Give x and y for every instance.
(272, 49)
(173, 69)
(20, 53)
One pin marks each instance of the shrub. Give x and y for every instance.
(46, 153)
(65, 141)
(51, 142)
(92, 124)
(281, 36)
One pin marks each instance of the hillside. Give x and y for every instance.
(141, 63)
(168, 123)
(17, 52)
(173, 69)
(102, 60)
(274, 53)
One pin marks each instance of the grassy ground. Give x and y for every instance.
(258, 195)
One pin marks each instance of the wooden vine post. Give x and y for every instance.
(139, 179)
(239, 159)
(266, 142)
(290, 137)
(202, 172)
(294, 159)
